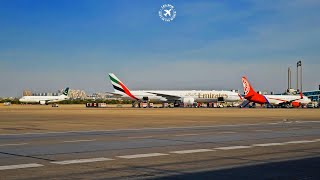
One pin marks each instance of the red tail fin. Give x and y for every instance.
(248, 90)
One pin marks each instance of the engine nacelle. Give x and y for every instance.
(42, 102)
(188, 100)
(296, 104)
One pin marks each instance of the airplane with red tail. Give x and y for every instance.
(275, 100)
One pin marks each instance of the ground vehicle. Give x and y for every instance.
(55, 105)
(7, 103)
(313, 105)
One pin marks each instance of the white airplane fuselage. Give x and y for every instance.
(252, 96)
(192, 95)
(278, 99)
(185, 96)
(43, 99)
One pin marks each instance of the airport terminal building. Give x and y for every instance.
(313, 95)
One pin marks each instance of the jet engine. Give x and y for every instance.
(42, 102)
(296, 104)
(188, 100)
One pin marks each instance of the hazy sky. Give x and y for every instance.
(46, 45)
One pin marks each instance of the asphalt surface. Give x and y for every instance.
(280, 150)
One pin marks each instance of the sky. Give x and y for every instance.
(46, 45)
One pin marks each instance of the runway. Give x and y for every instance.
(242, 151)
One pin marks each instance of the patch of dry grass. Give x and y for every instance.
(37, 118)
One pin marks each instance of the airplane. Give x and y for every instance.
(168, 12)
(188, 97)
(45, 99)
(276, 100)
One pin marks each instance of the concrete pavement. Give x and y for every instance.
(172, 152)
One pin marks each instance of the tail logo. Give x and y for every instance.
(246, 86)
(65, 92)
(118, 85)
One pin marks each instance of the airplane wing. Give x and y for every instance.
(282, 102)
(115, 94)
(52, 100)
(167, 96)
(288, 102)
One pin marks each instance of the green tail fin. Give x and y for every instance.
(66, 91)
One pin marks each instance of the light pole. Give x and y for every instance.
(299, 64)
(301, 77)
(289, 78)
(297, 77)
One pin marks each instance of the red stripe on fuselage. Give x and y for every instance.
(278, 99)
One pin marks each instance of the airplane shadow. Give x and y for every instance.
(308, 168)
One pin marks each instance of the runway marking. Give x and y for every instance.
(302, 141)
(20, 166)
(141, 155)
(139, 137)
(263, 130)
(77, 161)
(178, 135)
(164, 128)
(18, 144)
(307, 121)
(273, 123)
(191, 151)
(288, 142)
(294, 128)
(226, 132)
(232, 147)
(80, 140)
(269, 144)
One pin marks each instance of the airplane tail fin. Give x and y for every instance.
(119, 86)
(248, 90)
(66, 91)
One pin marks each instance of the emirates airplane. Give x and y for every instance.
(45, 99)
(187, 96)
(277, 100)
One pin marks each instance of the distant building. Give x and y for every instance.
(313, 95)
(102, 96)
(76, 94)
(27, 93)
